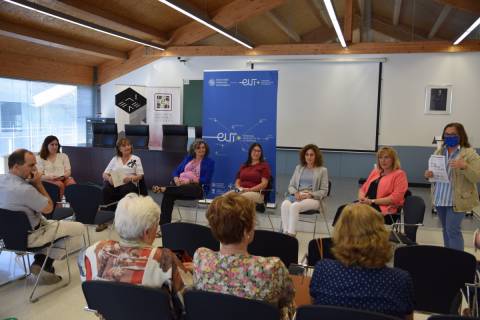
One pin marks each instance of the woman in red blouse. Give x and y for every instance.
(253, 175)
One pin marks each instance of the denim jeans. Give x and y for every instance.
(452, 227)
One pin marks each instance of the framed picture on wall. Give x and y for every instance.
(438, 99)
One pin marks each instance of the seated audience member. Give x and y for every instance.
(124, 165)
(254, 175)
(359, 278)
(192, 178)
(233, 270)
(21, 189)
(54, 166)
(385, 187)
(133, 259)
(308, 187)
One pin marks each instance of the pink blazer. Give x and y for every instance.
(393, 185)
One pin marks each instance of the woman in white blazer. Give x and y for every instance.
(307, 189)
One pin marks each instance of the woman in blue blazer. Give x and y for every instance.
(192, 178)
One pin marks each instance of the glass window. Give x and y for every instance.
(32, 110)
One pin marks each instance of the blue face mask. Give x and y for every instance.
(451, 141)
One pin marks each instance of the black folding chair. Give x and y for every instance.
(275, 244)
(438, 270)
(319, 249)
(14, 231)
(203, 305)
(59, 213)
(125, 301)
(449, 317)
(188, 236)
(85, 200)
(315, 312)
(175, 137)
(413, 214)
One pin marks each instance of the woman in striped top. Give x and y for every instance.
(459, 195)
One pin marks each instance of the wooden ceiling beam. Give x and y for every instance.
(20, 66)
(440, 20)
(292, 34)
(227, 16)
(472, 6)
(397, 7)
(83, 10)
(49, 40)
(348, 21)
(323, 48)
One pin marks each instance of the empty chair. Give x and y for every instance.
(438, 270)
(449, 317)
(338, 313)
(119, 301)
(413, 213)
(318, 249)
(138, 134)
(85, 200)
(200, 305)
(58, 213)
(198, 132)
(175, 137)
(274, 244)
(188, 236)
(104, 134)
(14, 230)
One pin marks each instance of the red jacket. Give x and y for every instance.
(393, 185)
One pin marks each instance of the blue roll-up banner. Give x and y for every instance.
(239, 108)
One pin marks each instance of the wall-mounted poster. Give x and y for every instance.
(438, 100)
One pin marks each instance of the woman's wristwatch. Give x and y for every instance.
(372, 201)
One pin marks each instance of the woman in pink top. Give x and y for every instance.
(385, 186)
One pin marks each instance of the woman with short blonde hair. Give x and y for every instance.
(359, 278)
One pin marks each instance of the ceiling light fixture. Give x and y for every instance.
(82, 23)
(466, 33)
(333, 17)
(182, 8)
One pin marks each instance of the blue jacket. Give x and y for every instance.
(206, 170)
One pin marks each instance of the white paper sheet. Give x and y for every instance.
(436, 164)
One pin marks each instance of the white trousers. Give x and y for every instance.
(46, 233)
(290, 212)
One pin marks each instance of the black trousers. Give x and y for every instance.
(111, 194)
(388, 218)
(189, 191)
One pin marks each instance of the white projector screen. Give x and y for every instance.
(334, 105)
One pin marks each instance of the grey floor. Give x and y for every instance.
(68, 302)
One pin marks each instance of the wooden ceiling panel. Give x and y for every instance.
(298, 15)
(41, 22)
(26, 48)
(146, 12)
(383, 8)
(261, 30)
(458, 21)
(420, 14)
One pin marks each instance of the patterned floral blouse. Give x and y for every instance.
(245, 276)
(134, 263)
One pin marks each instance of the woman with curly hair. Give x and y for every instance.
(359, 278)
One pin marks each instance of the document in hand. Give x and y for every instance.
(117, 177)
(437, 165)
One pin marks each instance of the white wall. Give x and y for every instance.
(405, 77)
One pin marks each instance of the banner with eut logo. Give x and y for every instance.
(239, 108)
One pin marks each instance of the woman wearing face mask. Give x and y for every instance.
(453, 198)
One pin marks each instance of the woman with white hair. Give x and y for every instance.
(133, 259)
